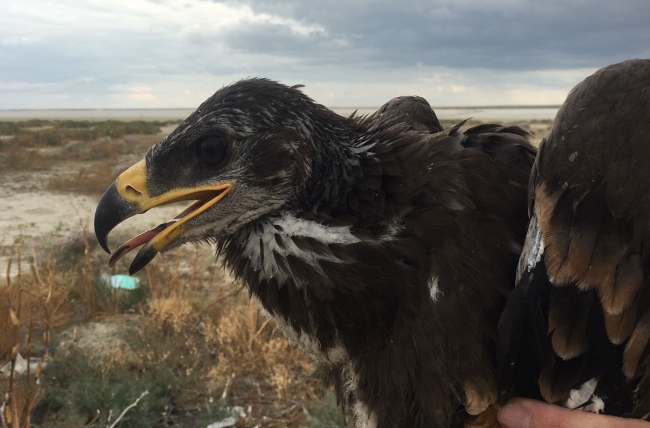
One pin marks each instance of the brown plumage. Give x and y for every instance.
(385, 251)
(414, 112)
(581, 310)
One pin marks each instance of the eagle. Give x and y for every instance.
(384, 246)
(575, 330)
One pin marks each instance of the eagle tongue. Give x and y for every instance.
(134, 243)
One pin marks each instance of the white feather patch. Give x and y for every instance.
(597, 405)
(282, 229)
(533, 250)
(434, 290)
(363, 417)
(285, 227)
(579, 396)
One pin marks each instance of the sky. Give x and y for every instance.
(176, 53)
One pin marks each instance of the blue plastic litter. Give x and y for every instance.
(125, 282)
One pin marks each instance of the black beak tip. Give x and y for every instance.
(111, 211)
(103, 242)
(144, 256)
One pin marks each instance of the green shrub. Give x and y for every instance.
(326, 414)
(87, 397)
(9, 128)
(52, 138)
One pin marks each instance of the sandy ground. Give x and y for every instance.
(33, 216)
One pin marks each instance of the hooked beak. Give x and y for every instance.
(129, 196)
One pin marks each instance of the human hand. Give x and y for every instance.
(520, 413)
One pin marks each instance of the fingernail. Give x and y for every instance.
(514, 416)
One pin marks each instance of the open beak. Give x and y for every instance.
(129, 196)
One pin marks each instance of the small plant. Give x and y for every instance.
(77, 390)
(9, 128)
(22, 304)
(85, 181)
(18, 158)
(326, 413)
(55, 132)
(52, 138)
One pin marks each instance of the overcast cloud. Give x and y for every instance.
(175, 53)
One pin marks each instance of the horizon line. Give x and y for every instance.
(462, 107)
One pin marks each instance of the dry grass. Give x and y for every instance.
(37, 297)
(35, 133)
(37, 145)
(18, 158)
(195, 338)
(257, 365)
(30, 306)
(172, 313)
(84, 181)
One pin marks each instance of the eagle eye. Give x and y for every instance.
(212, 150)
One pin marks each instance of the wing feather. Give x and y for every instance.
(590, 197)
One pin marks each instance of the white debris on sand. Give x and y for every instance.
(20, 366)
(224, 423)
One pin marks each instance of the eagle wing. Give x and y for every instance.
(577, 326)
(413, 111)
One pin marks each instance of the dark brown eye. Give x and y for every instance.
(212, 150)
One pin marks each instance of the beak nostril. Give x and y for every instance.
(132, 193)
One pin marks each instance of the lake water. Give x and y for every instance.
(510, 114)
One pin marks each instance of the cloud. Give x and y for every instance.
(134, 92)
(450, 87)
(23, 86)
(18, 40)
(145, 96)
(348, 51)
(497, 34)
(269, 37)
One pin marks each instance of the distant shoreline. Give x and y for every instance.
(504, 113)
(506, 107)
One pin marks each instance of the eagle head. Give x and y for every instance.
(250, 149)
